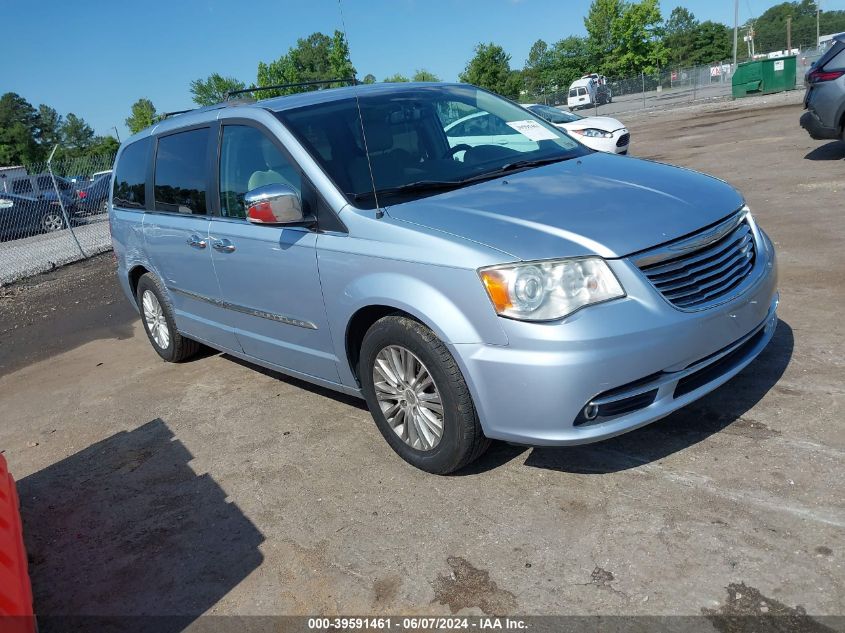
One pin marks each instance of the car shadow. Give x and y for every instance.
(125, 536)
(686, 427)
(829, 151)
(352, 401)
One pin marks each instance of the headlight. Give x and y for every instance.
(543, 291)
(594, 133)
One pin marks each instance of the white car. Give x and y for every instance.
(601, 133)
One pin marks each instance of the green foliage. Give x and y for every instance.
(143, 115)
(213, 88)
(314, 58)
(770, 27)
(602, 32)
(18, 131)
(77, 136)
(369, 78)
(396, 79)
(490, 69)
(49, 127)
(424, 75)
(625, 38)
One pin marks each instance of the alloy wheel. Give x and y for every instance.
(155, 320)
(52, 221)
(408, 397)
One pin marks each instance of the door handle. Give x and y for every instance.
(196, 241)
(224, 246)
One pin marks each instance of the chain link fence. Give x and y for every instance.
(53, 213)
(667, 88)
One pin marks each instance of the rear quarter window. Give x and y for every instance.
(130, 176)
(181, 176)
(837, 62)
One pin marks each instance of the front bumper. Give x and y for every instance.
(534, 390)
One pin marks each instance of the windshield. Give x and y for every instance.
(553, 115)
(423, 139)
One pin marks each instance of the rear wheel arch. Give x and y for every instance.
(135, 274)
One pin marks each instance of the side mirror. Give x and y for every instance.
(274, 204)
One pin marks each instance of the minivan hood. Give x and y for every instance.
(597, 204)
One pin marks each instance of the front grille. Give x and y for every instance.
(706, 275)
(623, 140)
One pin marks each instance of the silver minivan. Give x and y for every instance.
(525, 289)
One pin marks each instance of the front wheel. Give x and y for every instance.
(52, 221)
(418, 397)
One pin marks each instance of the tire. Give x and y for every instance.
(461, 439)
(51, 221)
(158, 312)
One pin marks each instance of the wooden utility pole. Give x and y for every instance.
(788, 34)
(736, 27)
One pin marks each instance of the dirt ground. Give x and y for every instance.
(213, 487)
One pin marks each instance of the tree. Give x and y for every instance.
(314, 58)
(369, 78)
(678, 35)
(638, 33)
(770, 27)
(712, 42)
(536, 66)
(424, 75)
(213, 88)
(143, 115)
(396, 79)
(77, 136)
(569, 60)
(602, 35)
(490, 69)
(340, 63)
(49, 127)
(104, 146)
(18, 131)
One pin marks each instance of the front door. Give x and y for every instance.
(176, 236)
(268, 275)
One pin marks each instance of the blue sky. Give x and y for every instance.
(95, 58)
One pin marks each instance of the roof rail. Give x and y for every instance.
(167, 115)
(320, 82)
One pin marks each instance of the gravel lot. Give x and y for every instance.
(213, 487)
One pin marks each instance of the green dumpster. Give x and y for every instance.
(764, 76)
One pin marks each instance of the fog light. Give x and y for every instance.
(591, 411)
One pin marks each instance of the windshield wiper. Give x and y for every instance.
(433, 185)
(515, 166)
(411, 187)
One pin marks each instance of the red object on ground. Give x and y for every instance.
(15, 591)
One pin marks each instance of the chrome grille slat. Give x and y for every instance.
(700, 288)
(736, 258)
(728, 251)
(711, 273)
(709, 250)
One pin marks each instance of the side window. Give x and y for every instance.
(131, 175)
(180, 172)
(248, 160)
(837, 62)
(21, 186)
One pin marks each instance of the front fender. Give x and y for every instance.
(450, 301)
